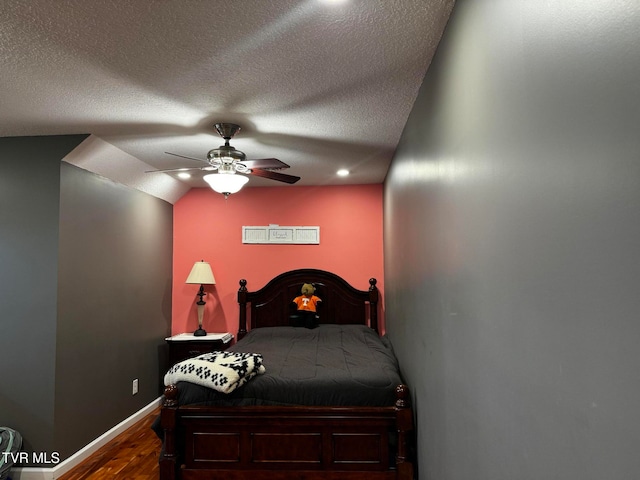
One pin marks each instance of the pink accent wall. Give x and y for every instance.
(208, 227)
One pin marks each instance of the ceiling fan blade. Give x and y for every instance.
(188, 158)
(280, 177)
(265, 163)
(180, 169)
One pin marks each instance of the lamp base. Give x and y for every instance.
(199, 332)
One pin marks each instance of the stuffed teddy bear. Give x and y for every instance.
(306, 308)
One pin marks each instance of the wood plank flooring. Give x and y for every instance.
(132, 455)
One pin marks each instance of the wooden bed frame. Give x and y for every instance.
(293, 442)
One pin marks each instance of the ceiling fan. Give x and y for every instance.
(228, 161)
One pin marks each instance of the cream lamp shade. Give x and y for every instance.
(201, 274)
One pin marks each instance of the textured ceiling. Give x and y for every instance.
(318, 85)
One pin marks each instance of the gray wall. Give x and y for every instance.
(114, 304)
(512, 241)
(29, 212)
(86, 297)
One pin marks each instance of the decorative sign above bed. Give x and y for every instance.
(277, 234)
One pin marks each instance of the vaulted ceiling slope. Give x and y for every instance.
(320, 85)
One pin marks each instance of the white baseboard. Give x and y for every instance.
(37, 473)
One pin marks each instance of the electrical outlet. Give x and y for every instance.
(134, 389)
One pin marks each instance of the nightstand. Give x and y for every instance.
(186, 345)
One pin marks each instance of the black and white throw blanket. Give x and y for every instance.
(222, 371)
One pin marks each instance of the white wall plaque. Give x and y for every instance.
(272, 234)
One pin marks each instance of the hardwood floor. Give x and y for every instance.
(132, 455)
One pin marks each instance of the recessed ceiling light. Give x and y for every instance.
(343, 172)
(184, 175)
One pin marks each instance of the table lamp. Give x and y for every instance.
(201, 274)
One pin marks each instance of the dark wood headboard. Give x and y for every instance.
(341, 303)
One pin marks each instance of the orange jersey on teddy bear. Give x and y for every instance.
(305, 303)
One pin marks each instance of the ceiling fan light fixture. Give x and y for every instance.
(227, 160)
(226, 183)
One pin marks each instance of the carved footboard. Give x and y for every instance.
(306, 443)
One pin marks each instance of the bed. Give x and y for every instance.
(304, 417)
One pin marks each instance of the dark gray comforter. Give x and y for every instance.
(337, 365)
